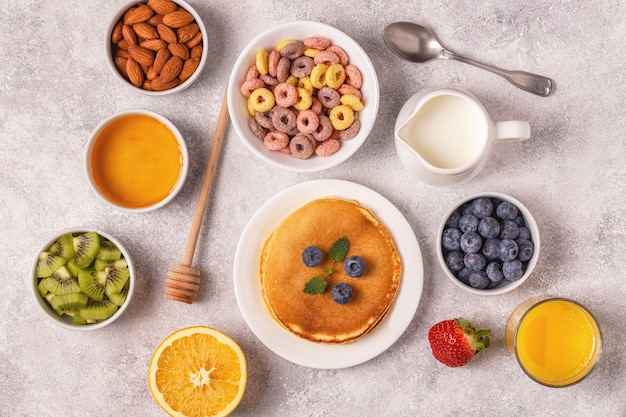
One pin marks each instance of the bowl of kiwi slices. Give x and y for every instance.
(83, 279)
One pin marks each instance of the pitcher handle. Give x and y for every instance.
(512, 130)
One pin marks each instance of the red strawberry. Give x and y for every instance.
(455, 342)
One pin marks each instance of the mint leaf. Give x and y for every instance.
(316, 285)
(339, 249)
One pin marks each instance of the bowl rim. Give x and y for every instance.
(109, 55)
(181, 144)
(530, 222)
(45, 308)
(264, 40)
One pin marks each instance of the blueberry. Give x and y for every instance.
(526, 249)
(509, 230)
(513, 270)
(478, 279)
(482, 207)
(489, 227)
(474, 261)
(519, 220)
(453, 220)
(471, 242)
(463, 275)
(451, 239)
(494, 272)
(523, 233)
(508, 250)
(506, 210)
(491, 249)
(341, 293)
(354, 266)
(468, 223)
(312, 256)
(454, 261)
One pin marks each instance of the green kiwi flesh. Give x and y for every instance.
(101, 265)
(60, 282)
(98, 310)
(92, 283)
(108, 251)
(69, 303)
(64, 246)
(86, 247)
(48, 263)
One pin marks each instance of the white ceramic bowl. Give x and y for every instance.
(181, 145)
(505, 286)
(108, 48)
(65, 321)
(299, 30)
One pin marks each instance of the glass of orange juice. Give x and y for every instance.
(556, 341)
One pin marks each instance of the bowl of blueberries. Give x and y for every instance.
(488, 243)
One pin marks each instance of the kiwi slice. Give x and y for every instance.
(86, 247)
(118, 298)
(108, 251)
(98, 310)
(101, 265)
(92, 283)
(116, 278)
(73, 268)
(60, 282)
(48, 263)
(64, 246)
(77, 319)
(69, 303)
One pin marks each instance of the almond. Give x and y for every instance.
(190, 66)
(129, 35)
(196, 51)
(123, 45)
(187, 32)
(177, 19)
(195, 40)
(171, 69)
(155, 20)
(161, 58)
(147, 85)
(151, 74)
(120, 53)
(162, 6)
(166, 33)
(154, 44)
(116, 34)
(134, 72)
(159, 85)
(120, 64)
(179, 49)
(145, 30)
(142, 55)
(141, 13)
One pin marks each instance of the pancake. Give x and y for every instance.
(317, 317)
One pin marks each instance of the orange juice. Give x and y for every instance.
(136, 161)
(556, 341)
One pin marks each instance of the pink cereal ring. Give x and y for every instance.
(301, 147)
(350, 132)
(317, 42)
(326, 57)
(275, 140)
(264, 120)
(284, 119)
(329, 97)
(317, 106)
(285, 94)
(272, 62)
(327, 147)
(337, 50)
(258, 130)
(324, 129)
(301, 67)
(252, 73)
(292, 50)
(307, 121)
(349, 89)
(353, 76)
(249, 86)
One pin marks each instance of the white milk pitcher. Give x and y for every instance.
(445, 136)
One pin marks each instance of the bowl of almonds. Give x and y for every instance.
(156, 47)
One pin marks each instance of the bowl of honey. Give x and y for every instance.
(136, 161)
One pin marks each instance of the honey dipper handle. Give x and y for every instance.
(207, 182)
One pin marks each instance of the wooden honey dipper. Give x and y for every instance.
(183, 281)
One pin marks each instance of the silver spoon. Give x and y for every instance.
(415, 43)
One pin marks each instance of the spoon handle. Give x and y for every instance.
(533, 83)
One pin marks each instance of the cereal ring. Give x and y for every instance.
(324, 129)
(249, 86)
(334, 135)
(354, 102)
(275, 140)
(292, 50)
(262, 99)
(285, 95)
(301, 66)
(251, 110)
(258, 130)
(329, 97)
(317, 42)
(268, 80)
(272, 62)
(282, 72)
(328, 147)
(337, 50)
(262, 61)
(284, 43)
(301, 147)
(350, 132)
(283, 119)
(335, 76)
(341, 117)
(252, 73)
(304, 99)
(263, 119)
(285, 150)
(292, 80)
(307, 121)
(316, 105)
(318, 75)
(326, 57)
(310, 52)
(349, 89)
(353, 76)
(305, 83)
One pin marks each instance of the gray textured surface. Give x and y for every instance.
(56, 87)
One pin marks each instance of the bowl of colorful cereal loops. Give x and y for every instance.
(303, 96)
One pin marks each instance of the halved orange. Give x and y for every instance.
(198, 372)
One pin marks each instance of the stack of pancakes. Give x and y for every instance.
(318, 317)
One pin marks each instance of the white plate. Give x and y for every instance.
(302, 351)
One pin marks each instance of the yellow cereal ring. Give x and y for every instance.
(353, 102)
(335, 76)
(305, 99)
(341, 117)
(250, 107)
(292, 80)
(262, 61)
(305, 82)
(310, 52)
(262, 100)
(284, 43)
(318, 75)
